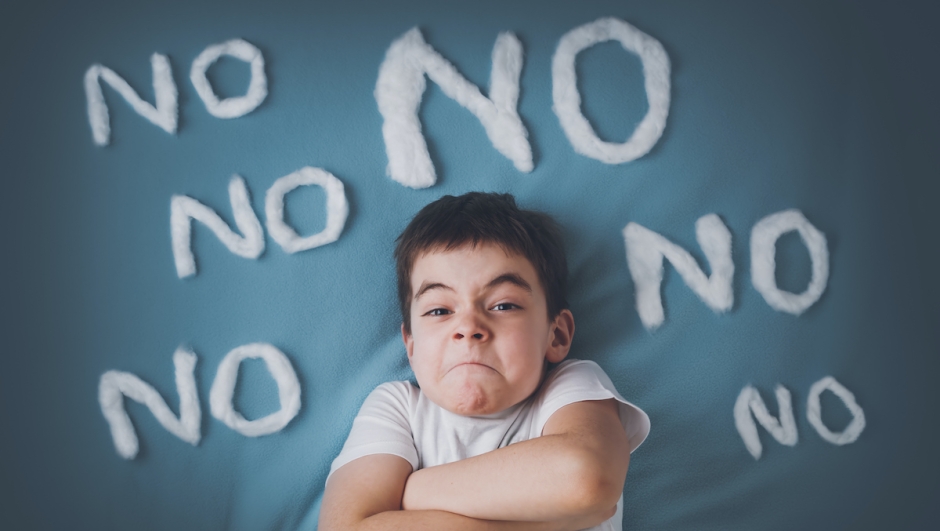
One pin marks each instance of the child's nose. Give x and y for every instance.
(471, 326)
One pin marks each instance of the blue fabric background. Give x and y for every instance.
(829, 107)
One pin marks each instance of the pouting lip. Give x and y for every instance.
(471, 363)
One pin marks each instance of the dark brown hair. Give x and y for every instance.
(477, 218)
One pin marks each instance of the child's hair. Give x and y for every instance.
(478, 218)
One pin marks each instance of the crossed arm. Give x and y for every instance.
(569, 478)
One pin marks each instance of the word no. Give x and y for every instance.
(401, 85)
(784, 428)
(164, 113)
(647, 249)
(251, 244)
(115, 385)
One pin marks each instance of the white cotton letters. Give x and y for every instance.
(336, 209)
(257, 87)
(163, 114)
(183, 209)
(115, 385)
(223, 389)
(400, 87)
(566, 100)
(764, 236)
(646, 251)
(784, 429)
(814, 412)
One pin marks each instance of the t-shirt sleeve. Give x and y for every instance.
(382, 426)
(579, 380)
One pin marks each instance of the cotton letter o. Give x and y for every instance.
(257, 87)
(337, 208)
(764, 237)
(223, 389)
(566, 101)
(814, 412)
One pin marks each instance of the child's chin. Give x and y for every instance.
(471, 399)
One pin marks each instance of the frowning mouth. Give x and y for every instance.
(472, 365)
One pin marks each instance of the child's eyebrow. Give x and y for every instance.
(511, 278)
(429, 286)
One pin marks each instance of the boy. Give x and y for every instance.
(492, 439)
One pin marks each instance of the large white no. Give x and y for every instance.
(400, 86)
(115, 385)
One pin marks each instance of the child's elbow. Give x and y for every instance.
(596, 484)
(596, 493)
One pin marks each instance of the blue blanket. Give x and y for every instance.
(826, 108)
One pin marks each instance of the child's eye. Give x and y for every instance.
(436, 312)
(503, 306)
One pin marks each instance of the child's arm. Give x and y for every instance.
(365, 494)
(577, 467)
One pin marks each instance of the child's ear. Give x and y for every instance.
(408, 339)
(562, 332)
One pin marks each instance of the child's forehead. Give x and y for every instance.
(469, 248)
(444, 261)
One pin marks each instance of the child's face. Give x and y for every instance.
(480, 332)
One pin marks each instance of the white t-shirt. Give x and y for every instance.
(398, 419)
